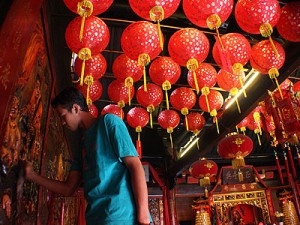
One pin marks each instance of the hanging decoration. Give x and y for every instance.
(288, 23)
(189, 47)
(138, 118)
(164, 71)
(140, 42)
(150, 98)
(92, 7)
(205, 170)
(113, 109)
(93, 110)
(255, 122)
(195, 122)
(183, 99)
(235, 147)
(155, 10)
(127, 70)
(264, 59)
(215, 102)
(258, 17)
(206, 77)
(118, 93)
(91, 89)
(168, 120)
(96, 67)
(288, 208)
(243, 125)
(238, 51)
(94, 40)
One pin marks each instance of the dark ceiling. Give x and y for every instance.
(155, 142)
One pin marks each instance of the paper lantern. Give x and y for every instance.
(138, 118)
(195, 122)
(207, 14)
(168, 120)
(155, 10)
(150, 98)
(211, 104)
(183, 99)
(91, 7)
(140, 42)
(243, 124)
(255, 122)
(205, 170)
(96, 67)
(288, 23)
(93, 110)
(118, 93)
(164, 71)
(189, 47)
(127, 70)
(264, 59)
(113, 109)
(91, 89)
(236, 147)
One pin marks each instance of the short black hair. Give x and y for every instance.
(68, 97)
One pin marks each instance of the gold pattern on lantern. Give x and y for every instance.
(238, 141)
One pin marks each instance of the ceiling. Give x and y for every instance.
(155, 142)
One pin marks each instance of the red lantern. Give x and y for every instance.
(140, 42)
(286, 84)
(212, 103)
(93, 7)
(154, 10)
(93, 110)
(91, 89)
(243, 124)
(150, 98)
(95, 67)
(264, 59)
(255, 122)
(183, 99)
(235, 146)
(164, 71)
(195, 122)
(205, 170)
(189, 47)
(138, 118)
(127, 70)
(169, 119)
(95, 37)
(253, 15)
(296, 87)
(237, 46)
(207, 14)
(118, 93)
(288, 23)
(113, 109)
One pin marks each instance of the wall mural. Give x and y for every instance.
(24, 138)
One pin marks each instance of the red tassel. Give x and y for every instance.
(139, 148)
(287, 167)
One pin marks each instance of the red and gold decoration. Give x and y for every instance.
(168, 120)
(140, 42)
(164, 71)
(118, 93)
(183, 99)
(205, 170)
(150, 98)
(95, 38)
(202, 213)
(255, 122)
(258, 17)
(236, 147)
(127, 70)
(288, 23)
(96, 67)
(138, 118)
(189, 47)
(243, 125)
(288, 208)
(155, 10)
(113, 109)
(93, 110)
(195, 122)
(265, 60)
(91, 7)
(91, 89)
(211, 103)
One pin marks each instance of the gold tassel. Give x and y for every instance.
(205, 91)
(206, 192)
(214, 113)
(129, 83)
(150, 109)
(238, 69)
(89, 80)
(192, 65)
(84, 9)
(266, 30)
(238, 162)
(84, 54)
(144, 60)
(170, 131)
(205, 181)
(157, 14)
(241, 176)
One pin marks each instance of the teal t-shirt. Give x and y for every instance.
(107, 185)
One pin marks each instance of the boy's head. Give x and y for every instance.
(68, 97)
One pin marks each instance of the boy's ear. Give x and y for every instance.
(76, 108)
